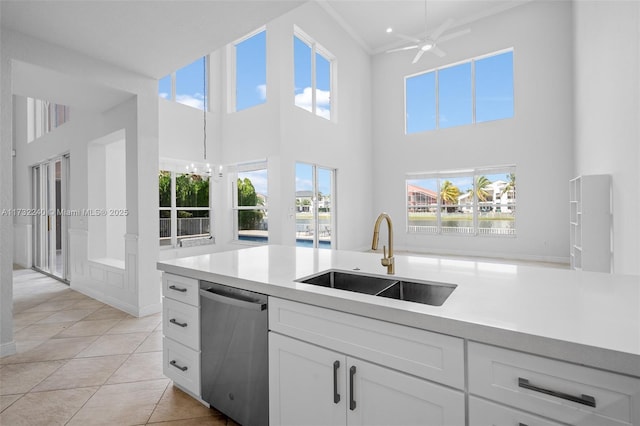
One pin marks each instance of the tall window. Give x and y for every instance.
(477, 202)
(315, 206)
(187, 86)
(250, 202)
(43, 117)
(185, 208)
(474, 91)
(250, 73)
(312, 75)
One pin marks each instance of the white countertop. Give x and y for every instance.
(583, 317)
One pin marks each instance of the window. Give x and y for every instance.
(494, 87)
(312, 75)
(250, 189)
(187, 86)
(470, 92)
(477, 202)
(454, 95)
(250, 59)
(185, 210)
(43, 117)
(315, 206)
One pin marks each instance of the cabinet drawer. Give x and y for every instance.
(422, 353)
(182, 365)
(181, 322)
(487, 413)
(565, 392)
(182, 289)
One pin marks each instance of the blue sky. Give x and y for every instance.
(189, 85)
(464, 183)
(493, 94)
(304, 178)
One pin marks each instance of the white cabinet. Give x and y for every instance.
(590, 223)
(563, 392)
(482, 412)
(353, 370)
(310, 385)
(181, 329)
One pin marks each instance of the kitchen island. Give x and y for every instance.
(548, 322)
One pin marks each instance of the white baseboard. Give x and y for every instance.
(150, 309)
(7, 349)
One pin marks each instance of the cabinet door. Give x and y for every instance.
(306, 386)
(380, 396)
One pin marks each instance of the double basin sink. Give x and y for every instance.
(428, 293)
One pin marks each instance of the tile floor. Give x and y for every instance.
(81, 362)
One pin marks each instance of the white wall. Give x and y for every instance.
(607, 111)
(137, 290)
(283, 133)
(538, 139)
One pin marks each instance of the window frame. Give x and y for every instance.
(437, 70)
(475, 203)
(315, 168)
(173, 84)
(173, 209)
(317, 48)
(234, 171)
(232, 70)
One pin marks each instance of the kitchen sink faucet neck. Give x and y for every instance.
(387, 260)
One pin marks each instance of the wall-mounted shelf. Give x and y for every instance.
(590, 223)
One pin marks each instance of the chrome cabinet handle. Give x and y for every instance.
(179, 324)
(582, 399)
(175, 364)
(336, 395)
(522, 424)
(180, 289)
(352, 401)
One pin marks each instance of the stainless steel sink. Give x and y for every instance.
(351, 282)
(428, 293)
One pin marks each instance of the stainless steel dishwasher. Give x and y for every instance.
(234, 357)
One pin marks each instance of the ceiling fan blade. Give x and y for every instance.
(418, 56)
(454, 35)
(406, 37)
(441, 29)
(399, 49)
(437, 51)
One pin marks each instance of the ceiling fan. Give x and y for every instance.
(431, 41)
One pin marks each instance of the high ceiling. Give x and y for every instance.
(157, 37)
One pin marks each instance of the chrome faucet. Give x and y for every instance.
(386, 260)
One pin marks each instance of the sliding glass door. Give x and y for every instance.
(315, 206)
(50, 181)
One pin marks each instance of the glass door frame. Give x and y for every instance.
(315, 203)
(50, 202)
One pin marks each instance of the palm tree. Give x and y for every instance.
(510, 186)
(449, 194)
(480, 187)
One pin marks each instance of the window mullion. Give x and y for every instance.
(313, 78)
(174, 212)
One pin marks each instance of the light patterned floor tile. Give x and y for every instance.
(7, 400)
(138, 367)
(153, 343)
(135, 403)
(46, 408)
(88, 328)
(114, 344)
(82, 372)
(177, 405)
(20, 378)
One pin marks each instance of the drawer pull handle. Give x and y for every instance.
(179, 324)
(583, 399)
(180, 289)
(522, 424)
(336, 395)
(352, 401)
(175, 364)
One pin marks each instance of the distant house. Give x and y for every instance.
(304, 201)
(419, 199)
(496, 198)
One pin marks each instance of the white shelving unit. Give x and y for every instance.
(590, 223)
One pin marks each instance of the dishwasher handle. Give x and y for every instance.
(228, 300)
